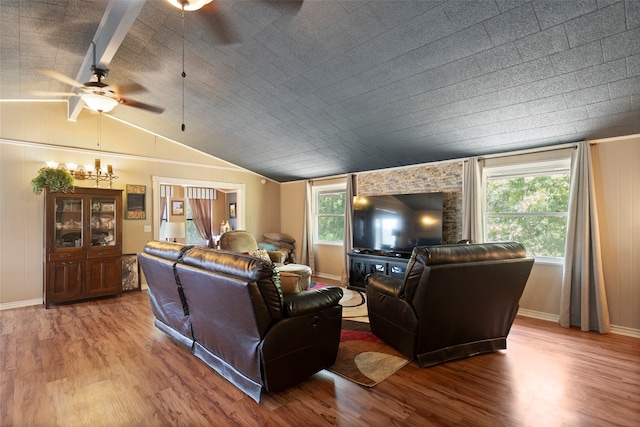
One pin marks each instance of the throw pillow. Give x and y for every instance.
(267, 246)
(261, 253)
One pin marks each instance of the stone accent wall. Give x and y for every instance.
(445, 177)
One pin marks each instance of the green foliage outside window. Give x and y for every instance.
(330, 211)
(531, 210)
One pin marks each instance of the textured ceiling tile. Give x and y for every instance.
(580, 57)
(555, 85)
(596, 25)
(546, 105)
(630, 86)
(512, 25)
(619, 105)
(43, 10)
(505, 5)
(603, 73)
(419, 31)
(362, 24)
(323, 14)
(503, 56)
(593, 124)
(621, 45)
(633, 65)
(587, 96)
(498, 114)
(463, 14)
(567, 116)
(543, 43)
(633, 13)
(553, 12)
(392, 14)
(9, 13)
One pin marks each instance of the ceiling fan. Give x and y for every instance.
(97, 95)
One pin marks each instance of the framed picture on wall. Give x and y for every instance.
(232, 210)
(136, 202)
(177, 207)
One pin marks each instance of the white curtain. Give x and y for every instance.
(472, 217)
(308, 257)
(583, 301)
(348, 224)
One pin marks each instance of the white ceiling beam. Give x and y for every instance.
(118, 18)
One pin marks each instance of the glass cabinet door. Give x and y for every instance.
(68, 222)
(103, 221)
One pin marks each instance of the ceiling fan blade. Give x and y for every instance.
(48, 94)
(128, 88)
(142, 105)
(218, 23)
(62, 78)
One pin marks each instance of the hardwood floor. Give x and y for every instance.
(103, 363)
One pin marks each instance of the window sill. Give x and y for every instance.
(328, 243)
(545, 260)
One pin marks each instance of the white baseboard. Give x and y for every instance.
(23, 303)
(623, 330)
(620, 330)
(538, 315)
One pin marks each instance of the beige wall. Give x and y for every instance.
(617, 178)
(32, 133)
(292, 200)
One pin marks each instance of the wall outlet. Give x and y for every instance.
(147, 229)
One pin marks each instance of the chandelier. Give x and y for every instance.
(89, 172)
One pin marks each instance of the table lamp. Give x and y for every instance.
(175, 230)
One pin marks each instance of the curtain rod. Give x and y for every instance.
(326, 178)
(528, 151)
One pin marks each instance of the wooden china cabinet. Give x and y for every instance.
(83, 244)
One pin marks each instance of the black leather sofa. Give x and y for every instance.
(455, 301)
(229, 309)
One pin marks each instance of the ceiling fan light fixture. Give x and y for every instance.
(189, 4)
(99, 103)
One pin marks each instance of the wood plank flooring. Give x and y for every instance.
(103, 363)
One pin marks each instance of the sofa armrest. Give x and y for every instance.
(385, 284)
(311, 301)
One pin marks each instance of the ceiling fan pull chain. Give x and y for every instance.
(184, 75)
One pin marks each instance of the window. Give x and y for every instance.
(330, 203)
(193, 236)
(528, 204)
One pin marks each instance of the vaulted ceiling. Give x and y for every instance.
(327, 87)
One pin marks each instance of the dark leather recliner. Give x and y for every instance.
(455, 301)
(167, 300)
(245, 328)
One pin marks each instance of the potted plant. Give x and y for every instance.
(57, 179)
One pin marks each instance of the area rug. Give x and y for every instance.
(362, 358)
(353, 302)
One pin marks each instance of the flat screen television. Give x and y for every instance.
(393, 224)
